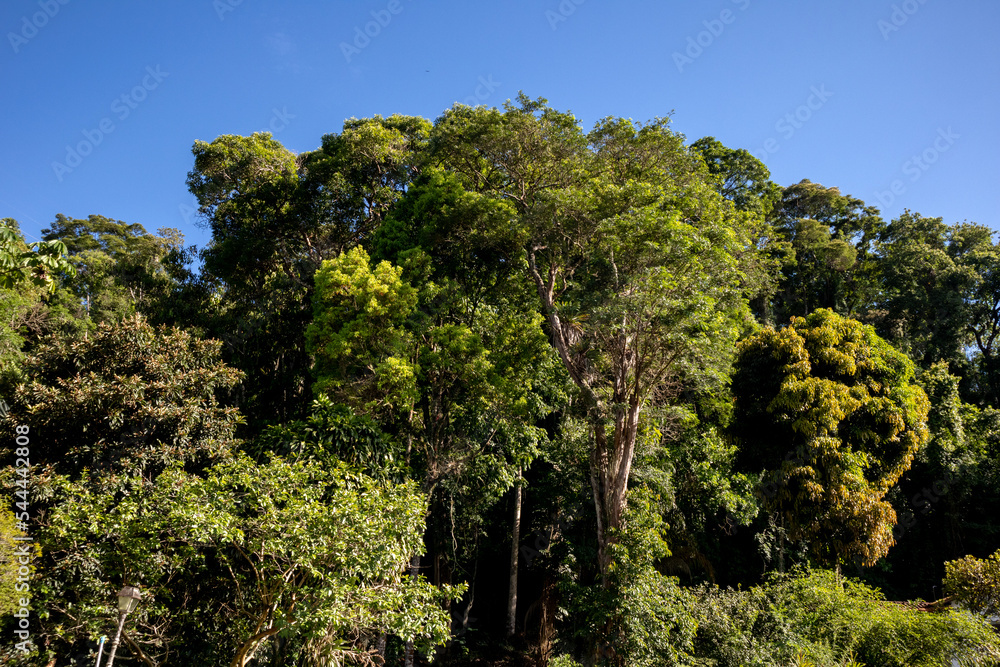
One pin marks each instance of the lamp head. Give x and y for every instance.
(128, 599)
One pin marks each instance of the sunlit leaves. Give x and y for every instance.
(362, 352)
(38, 263)
(975, 582)
(315, 552)
(832, 414)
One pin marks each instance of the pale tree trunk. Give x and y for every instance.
(514, 553)
(781, 546)
(408, 652)
(610, 466)
(467, 612)
(610, 462)
(249, 648)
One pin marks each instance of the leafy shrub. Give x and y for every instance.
(643, 618)
(814, 618)
(975, 583)
(563, 661)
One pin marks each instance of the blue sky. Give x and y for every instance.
(892, 102)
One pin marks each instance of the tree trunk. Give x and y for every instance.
(467, 612)
(781, 546)
(610, 462)
(408, 652)
(514, 553)
(610, 466)
(249, 648)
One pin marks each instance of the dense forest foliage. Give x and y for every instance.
(498, 390)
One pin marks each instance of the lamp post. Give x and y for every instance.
(128, 598)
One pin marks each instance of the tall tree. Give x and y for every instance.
(830, 415)
(927, 287)
(742, 178)
(832, 242)
(256, 269)
(275, 216)
(120, 268)
(641, 268)
(973, 247)
(352, 182)
(458, 394)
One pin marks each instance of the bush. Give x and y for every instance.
(563, 661)
(814, 618)
(643, 618)
(975, 583)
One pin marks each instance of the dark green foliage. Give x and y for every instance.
(926, 284)
(828, 245)
(332, 433)
(126, 397)
(120, 269)
(418, 318)
(652, 624)
(742, 178)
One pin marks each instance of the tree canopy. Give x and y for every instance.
(690, 415)
(831, 415)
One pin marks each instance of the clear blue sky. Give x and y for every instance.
(868, 84)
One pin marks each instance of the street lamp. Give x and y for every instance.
(128, 599)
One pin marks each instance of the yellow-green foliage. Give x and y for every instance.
(356, 335)
(831, 413)
(9, 564)
(975, 582)
(816, 618)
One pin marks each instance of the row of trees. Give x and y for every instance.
(424, 354)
